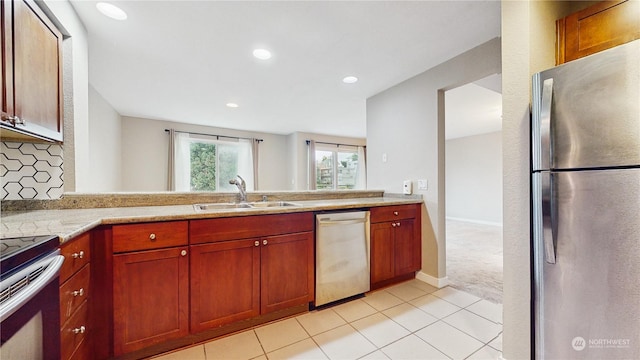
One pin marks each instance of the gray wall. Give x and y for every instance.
(406, 122)
(145, 154)
(105, 145)
(474, 178)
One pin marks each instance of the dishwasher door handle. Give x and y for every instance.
(342, 222)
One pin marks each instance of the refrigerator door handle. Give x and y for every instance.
(549, 217)
(546, 150)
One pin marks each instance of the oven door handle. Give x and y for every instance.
(24, 295)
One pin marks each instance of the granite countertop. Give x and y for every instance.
(69, 223)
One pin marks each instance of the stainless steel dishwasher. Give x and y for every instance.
(342, 255)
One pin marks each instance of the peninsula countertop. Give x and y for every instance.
(69, 223)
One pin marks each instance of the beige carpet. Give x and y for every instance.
(474, 259)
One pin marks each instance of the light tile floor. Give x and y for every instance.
(411, 320)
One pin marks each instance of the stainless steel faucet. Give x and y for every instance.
(242, 186)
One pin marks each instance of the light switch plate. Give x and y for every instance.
(423, 184)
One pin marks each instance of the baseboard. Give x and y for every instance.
(433, 281)
(475, 221)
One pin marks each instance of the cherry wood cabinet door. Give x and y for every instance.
(382, 252)
(407, 247)
(225, 283)
(32, 70)
(287, 270)
(150, 298)
(601, 26)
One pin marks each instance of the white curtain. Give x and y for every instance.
(361, 172)
(182, 163)
(245, 161)
(171, 185)
(255, 156)
(311, 161)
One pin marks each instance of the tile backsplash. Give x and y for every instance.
(30, 171)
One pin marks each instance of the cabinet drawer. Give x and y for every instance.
(73, 292)
(74, 332)
(149, 236)
(394, 212)
(76, 254)
(245, 227)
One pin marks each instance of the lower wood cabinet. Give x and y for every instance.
(395, 242)
(225, 283)
(240, 279)
(287, 271)
(150, 298)
(76, 329)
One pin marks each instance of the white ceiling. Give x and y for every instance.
(184, 60)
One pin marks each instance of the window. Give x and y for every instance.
(208, 165)
(336, 169)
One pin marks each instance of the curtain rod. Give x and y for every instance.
(213, 135)
(336, 144)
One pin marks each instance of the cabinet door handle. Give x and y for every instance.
(398, 224)
(78, 292)
(152, 236)
(183, 252)
(264, 242)
(79, 330)
(257, 243)
(395, 213)
(393, 224)
(78, 255)
(14, 120)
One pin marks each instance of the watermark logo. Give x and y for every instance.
(578, 343)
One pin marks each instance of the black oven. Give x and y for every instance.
(29, 298)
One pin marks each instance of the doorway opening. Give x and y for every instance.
(473, 188)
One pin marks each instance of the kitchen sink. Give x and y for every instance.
(221, 206)
(263, 204)
(250, 205)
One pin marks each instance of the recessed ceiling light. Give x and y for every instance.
(111, 11)
(232, 105)
(262, 54)
(350, 80)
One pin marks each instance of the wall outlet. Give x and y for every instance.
(423, 184)
(407, 189)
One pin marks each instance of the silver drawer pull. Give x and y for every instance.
(79, 330)
(264, 242)
(152, 236)
(78, 292)
(78, 255)
(393, 224)
(398, 224)
(395, 213)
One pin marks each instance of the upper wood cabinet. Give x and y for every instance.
(596, 28)
(32, 98)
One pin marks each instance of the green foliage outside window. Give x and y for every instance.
(210, 161)
(203, 167)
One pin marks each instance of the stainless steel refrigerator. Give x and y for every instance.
(586, 207)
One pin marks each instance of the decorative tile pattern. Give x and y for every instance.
(30, 171)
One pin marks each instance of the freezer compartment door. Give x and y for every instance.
(588, 301)
(586, 113)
